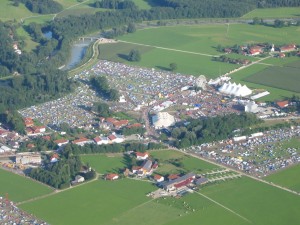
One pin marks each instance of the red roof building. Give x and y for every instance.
(141, 155)
(111, 176)
(61, 142)
(288, 48)
(134, 125)
(283, 104)
(173, 176)
(81, 141)
(28, 122)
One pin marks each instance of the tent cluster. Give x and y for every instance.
(235, 89)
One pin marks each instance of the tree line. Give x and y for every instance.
(101, 86)
(40, 6)
(199, 131)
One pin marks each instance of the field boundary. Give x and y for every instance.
(223, 206)
(170, 49)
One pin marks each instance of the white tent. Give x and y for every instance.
(162, 119)
(235, 89)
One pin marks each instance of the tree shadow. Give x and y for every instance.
(163, 68)
(123, 56)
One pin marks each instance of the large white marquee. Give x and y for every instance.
(235, 89)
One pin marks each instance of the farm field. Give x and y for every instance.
(160, 59)
(240, 202)
(177, 162)
(98, 202)
(285, 12)
(20, 188)
(288, 177)
(104, 164)
(285, 77)
(205, 38)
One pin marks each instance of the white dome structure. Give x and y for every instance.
(235, 89)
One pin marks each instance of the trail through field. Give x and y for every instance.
(223, 206)
(70, 8)
(170, 49)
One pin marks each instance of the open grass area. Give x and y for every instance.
(20, 188)
(10, 12)
(258, 202)
(98, 202)
(177, 162)
(288, 177)
(105, 164)
(285, 12)
(30, 44)
(237, 202)
(142, 4)
(160, 59)
(285, 77)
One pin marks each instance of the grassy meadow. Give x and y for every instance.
(288, 177)
(20, 188)
(284, 12)
(104, 164)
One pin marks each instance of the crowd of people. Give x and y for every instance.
(11, 214)
(257, 156)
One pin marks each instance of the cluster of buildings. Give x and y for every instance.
(31, 129)
(146, 168)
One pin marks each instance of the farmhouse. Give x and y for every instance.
(54, 158)
(111, 176)
(142, 155)
(146, 168)
(255, 50)
(282, 104)
(158, 178)
(288, 48)
(179, 182)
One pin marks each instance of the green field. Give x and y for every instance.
(124, 202)
(288, 177)
(286, 12)
(285, 77)
(177, 162)
(20, 188)
(104, 164)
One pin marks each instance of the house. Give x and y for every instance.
(111, 176)
(81, 141)
(135, 169)
(282, 104)
(146, 168)
(54, 158)
(179, 182)
(158, 178)
(116, 138)
(35, 130)
(61, 142)
(47, 138)
(142, 155)
(28, 122)
(135, 125)
(255, 50)
(173, 177)
(78, 179)
(98, 140)
(120, 124)
(3, 133)
(288, 48)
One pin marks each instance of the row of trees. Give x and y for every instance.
(40, 6)
(211, 129)
(115, 4)
(100, 84)
(226, 59)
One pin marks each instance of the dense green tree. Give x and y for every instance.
(134, 55)
(173, 66)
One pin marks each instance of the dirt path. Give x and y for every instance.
(169, 49)
(58, 191)
(224, 207)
